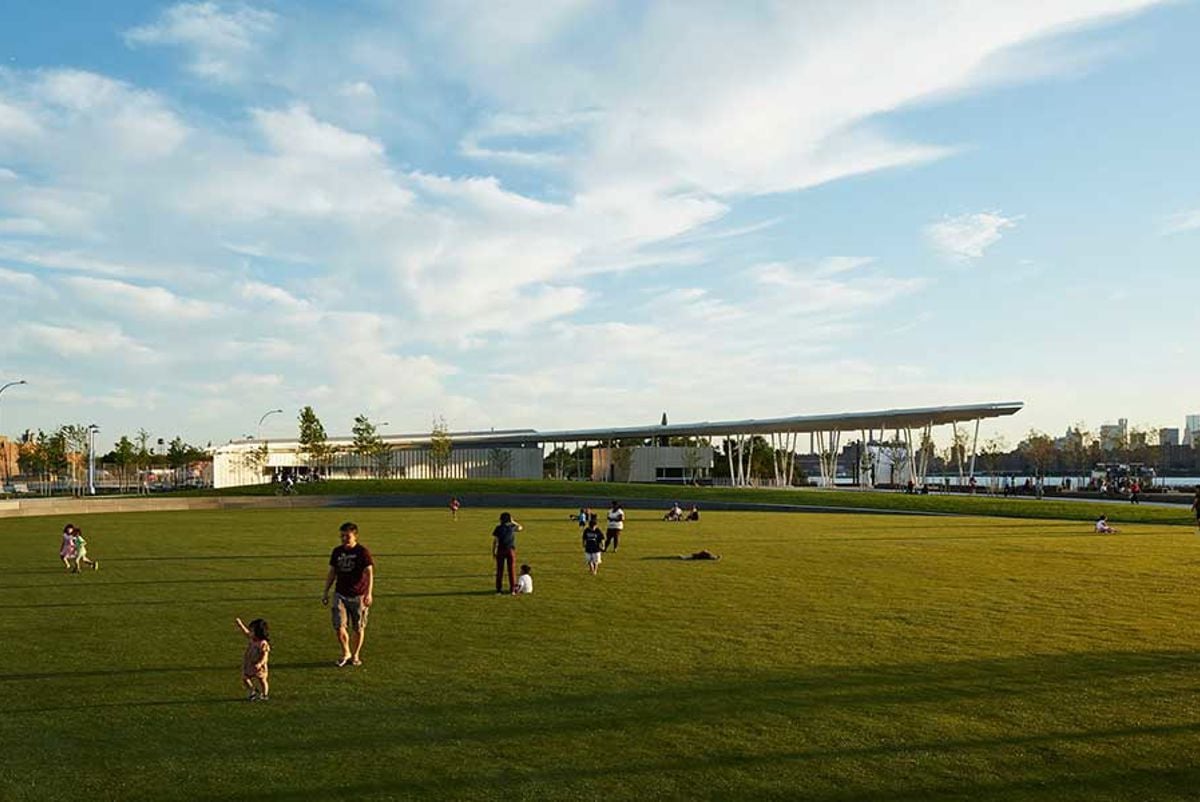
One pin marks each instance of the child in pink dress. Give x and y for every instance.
(254, 661)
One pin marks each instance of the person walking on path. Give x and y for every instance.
(504, 551)
(616, 524)
(352, 570)
(1135, 492)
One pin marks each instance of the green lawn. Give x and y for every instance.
(578, 492)
(833, 657)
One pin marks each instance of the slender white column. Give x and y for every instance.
(974, 443)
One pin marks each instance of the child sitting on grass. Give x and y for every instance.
(524, 581)
(254, 661)
(1103, 528)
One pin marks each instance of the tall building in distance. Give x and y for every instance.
(1191, 430)
(1168, 437)
(1113, 436)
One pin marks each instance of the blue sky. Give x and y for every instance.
(580, 213)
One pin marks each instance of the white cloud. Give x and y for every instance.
(332, 228)
(966, 237)
(82, 341)
(218, 38)
(136, 301)
(1180, 222)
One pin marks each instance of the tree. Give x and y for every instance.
(125, 455)
(367, 441)
(440, 446)
(180, 454)
(960, 440)
(1075, 449)
(75, 441)
(1038, 448)
(692, 460)
(622, 461)
(314, 444)
(33, 458)
(382, 457)
(500, 459)
(896, 451)
(143, 449)
(992, 451)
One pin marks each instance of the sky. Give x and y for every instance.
(567, 213)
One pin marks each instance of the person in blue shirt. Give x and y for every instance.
(504, 550)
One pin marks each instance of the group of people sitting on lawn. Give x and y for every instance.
(676, 513)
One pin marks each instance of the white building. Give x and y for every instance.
(632, 453)
(253, 462)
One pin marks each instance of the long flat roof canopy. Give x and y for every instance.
(849, 421)
(842, 422)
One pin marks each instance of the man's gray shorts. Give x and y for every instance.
(349, 612)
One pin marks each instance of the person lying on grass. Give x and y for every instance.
(703, 554)
(254, 661)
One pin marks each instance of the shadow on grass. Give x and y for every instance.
(149, 670)
(66, 708)
(152, 602)
(1082, 779)
(419, 594)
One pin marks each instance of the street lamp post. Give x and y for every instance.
(92, 429)
(4, 455)
(258, 433)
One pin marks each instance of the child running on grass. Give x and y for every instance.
(67, 550)
(81, 557)
(254, 661)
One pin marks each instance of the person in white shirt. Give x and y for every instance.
(1103, 528)
(616, 523)
(524, 581)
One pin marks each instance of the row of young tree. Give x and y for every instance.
(374, 455)
(52, 458)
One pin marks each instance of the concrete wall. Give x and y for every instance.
(233, 465)
(644, 462)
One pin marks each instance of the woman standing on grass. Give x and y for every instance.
(616, 524)
(1196, 506)
(504, 551)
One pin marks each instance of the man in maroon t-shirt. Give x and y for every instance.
(353, 569)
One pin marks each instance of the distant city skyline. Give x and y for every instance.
(573, 213)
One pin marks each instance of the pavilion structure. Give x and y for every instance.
(519, 453)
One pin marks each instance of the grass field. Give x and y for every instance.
(952, 503)
(832, 657)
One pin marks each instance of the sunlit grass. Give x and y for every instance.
(824, 657)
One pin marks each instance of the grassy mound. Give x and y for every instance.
(578, 493)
